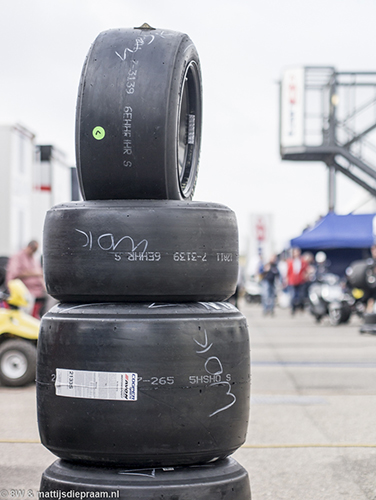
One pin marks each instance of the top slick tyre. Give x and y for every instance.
(106, 251)
(138, 120)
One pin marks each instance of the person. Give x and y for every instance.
(25, 267)
(296, 278)
(371, 294)
(310, 273)
(283, 295)
(269, 276)
(234, 299)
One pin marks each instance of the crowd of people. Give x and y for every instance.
(292, 275)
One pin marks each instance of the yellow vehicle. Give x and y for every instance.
(18, 336)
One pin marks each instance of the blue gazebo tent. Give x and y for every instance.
(344, 238)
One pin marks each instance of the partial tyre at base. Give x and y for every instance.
(140, 251)
(143, 384)
(224, 479)
(138, 122)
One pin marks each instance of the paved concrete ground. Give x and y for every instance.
(313, 426)
(312, 433)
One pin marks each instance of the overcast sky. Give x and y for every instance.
(244, 45)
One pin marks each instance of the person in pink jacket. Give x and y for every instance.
(296, 278)
(25, 267)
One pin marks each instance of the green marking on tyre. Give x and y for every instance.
(99, 133)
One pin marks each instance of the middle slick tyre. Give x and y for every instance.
(143, 385)
(135, 251)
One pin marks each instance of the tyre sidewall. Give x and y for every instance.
(186, 56)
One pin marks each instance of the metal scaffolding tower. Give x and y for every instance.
(330, 116)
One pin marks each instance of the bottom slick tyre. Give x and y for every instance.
(143, 384)
(224, 479)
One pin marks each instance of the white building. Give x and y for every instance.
(52, 184)
(32, 179)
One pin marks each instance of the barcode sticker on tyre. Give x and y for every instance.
(120, 386)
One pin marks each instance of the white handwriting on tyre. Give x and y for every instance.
(140, 42)
(107, 243)
(216, 370)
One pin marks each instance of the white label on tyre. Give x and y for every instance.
(120, 386)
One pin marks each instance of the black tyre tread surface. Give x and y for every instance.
(140, 251)
(201, 413)
(30, 352)
(132, 87)
(224, 479)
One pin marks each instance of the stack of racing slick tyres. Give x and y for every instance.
(361, 275)
(143, 372)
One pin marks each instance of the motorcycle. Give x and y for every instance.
(358, 301)
(327, 297)
(18, 336)
(361, 274)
